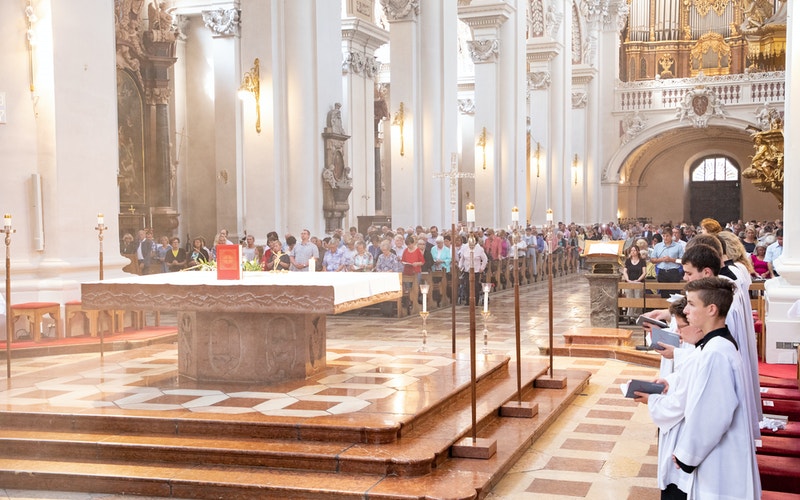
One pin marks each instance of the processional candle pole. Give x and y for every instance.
(100, 228)
(516, 240)
(8, 230)
(550, 286)
(472, 369)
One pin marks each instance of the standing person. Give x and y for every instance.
(634, 272)
(665, 256)
(704, 406)
(175, 258)
(148, 253)
(249, 249)
(413, 258)
(302, 252)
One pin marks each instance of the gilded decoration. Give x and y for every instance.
(130, 127)
(666, 62)
(711, 55)
(704, 6)
(766, 166)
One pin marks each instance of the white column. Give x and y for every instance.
(360, 39)
(560, 146)
(487, 50)
(404, 54)
(783, 292)
(438, 32)
(306, 76)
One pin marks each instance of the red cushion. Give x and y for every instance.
(34, 305)
(73, 303)
(780, 393)
(781, 407)
(779, 495)
(779, 473)
(783, 383)
(776, 445)
(757, 325)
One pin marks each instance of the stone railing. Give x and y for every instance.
(665, 95)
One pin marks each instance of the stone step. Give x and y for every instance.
(199, 477)
(424, 443)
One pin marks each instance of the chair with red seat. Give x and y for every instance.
(35, 312)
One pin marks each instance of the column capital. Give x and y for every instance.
(484, 51)
(362, 34)
(400, 10)
(485, 18)
(539, 80)
(223, 22)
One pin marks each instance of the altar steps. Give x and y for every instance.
(183, 458)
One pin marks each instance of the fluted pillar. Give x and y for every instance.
(783, 329)
(360, 38)
(404, 50)
(487, 50)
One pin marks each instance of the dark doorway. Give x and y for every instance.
(715, 190)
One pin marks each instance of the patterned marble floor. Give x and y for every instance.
(602, 447)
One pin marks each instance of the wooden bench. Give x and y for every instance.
(35, 312)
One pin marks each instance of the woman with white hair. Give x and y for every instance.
(441, 256)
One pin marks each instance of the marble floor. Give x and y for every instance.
(602, 447)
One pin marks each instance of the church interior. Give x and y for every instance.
(186, 117)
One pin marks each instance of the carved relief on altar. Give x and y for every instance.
(699, 105)
(224, 347)
(280, 349)
(186, 334)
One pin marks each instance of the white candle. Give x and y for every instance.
(470, 212)
(7, 221)
(515, 214)
(100, 219)
(312, 265)
(549, 217)
(485, 301)
(424, 302)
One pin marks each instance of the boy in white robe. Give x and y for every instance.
(700, 261)
(712, 443)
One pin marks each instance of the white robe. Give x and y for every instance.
(740, 322)
(716, 434)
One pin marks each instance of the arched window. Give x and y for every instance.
(715, 168)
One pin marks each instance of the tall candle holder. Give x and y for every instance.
(8, 231)
(485, 313)
(550, 381)
(100, 228)
(519, 408)
(424, 288)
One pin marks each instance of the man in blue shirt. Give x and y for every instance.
(666, 256)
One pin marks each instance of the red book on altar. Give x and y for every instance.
(229, 262)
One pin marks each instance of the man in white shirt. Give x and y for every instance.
(774, 251)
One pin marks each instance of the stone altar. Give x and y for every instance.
(264, 328)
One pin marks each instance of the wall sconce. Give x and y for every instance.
(538, 156)
(251, 84)
(482, 144)
(575, 168)
(399, 120)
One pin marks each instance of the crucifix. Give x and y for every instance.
(454, 175)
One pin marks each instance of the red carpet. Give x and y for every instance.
(780, 371)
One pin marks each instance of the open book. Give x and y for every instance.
(632, 386)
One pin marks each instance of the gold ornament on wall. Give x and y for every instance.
(766, 167)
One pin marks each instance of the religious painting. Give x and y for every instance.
(130, 124)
